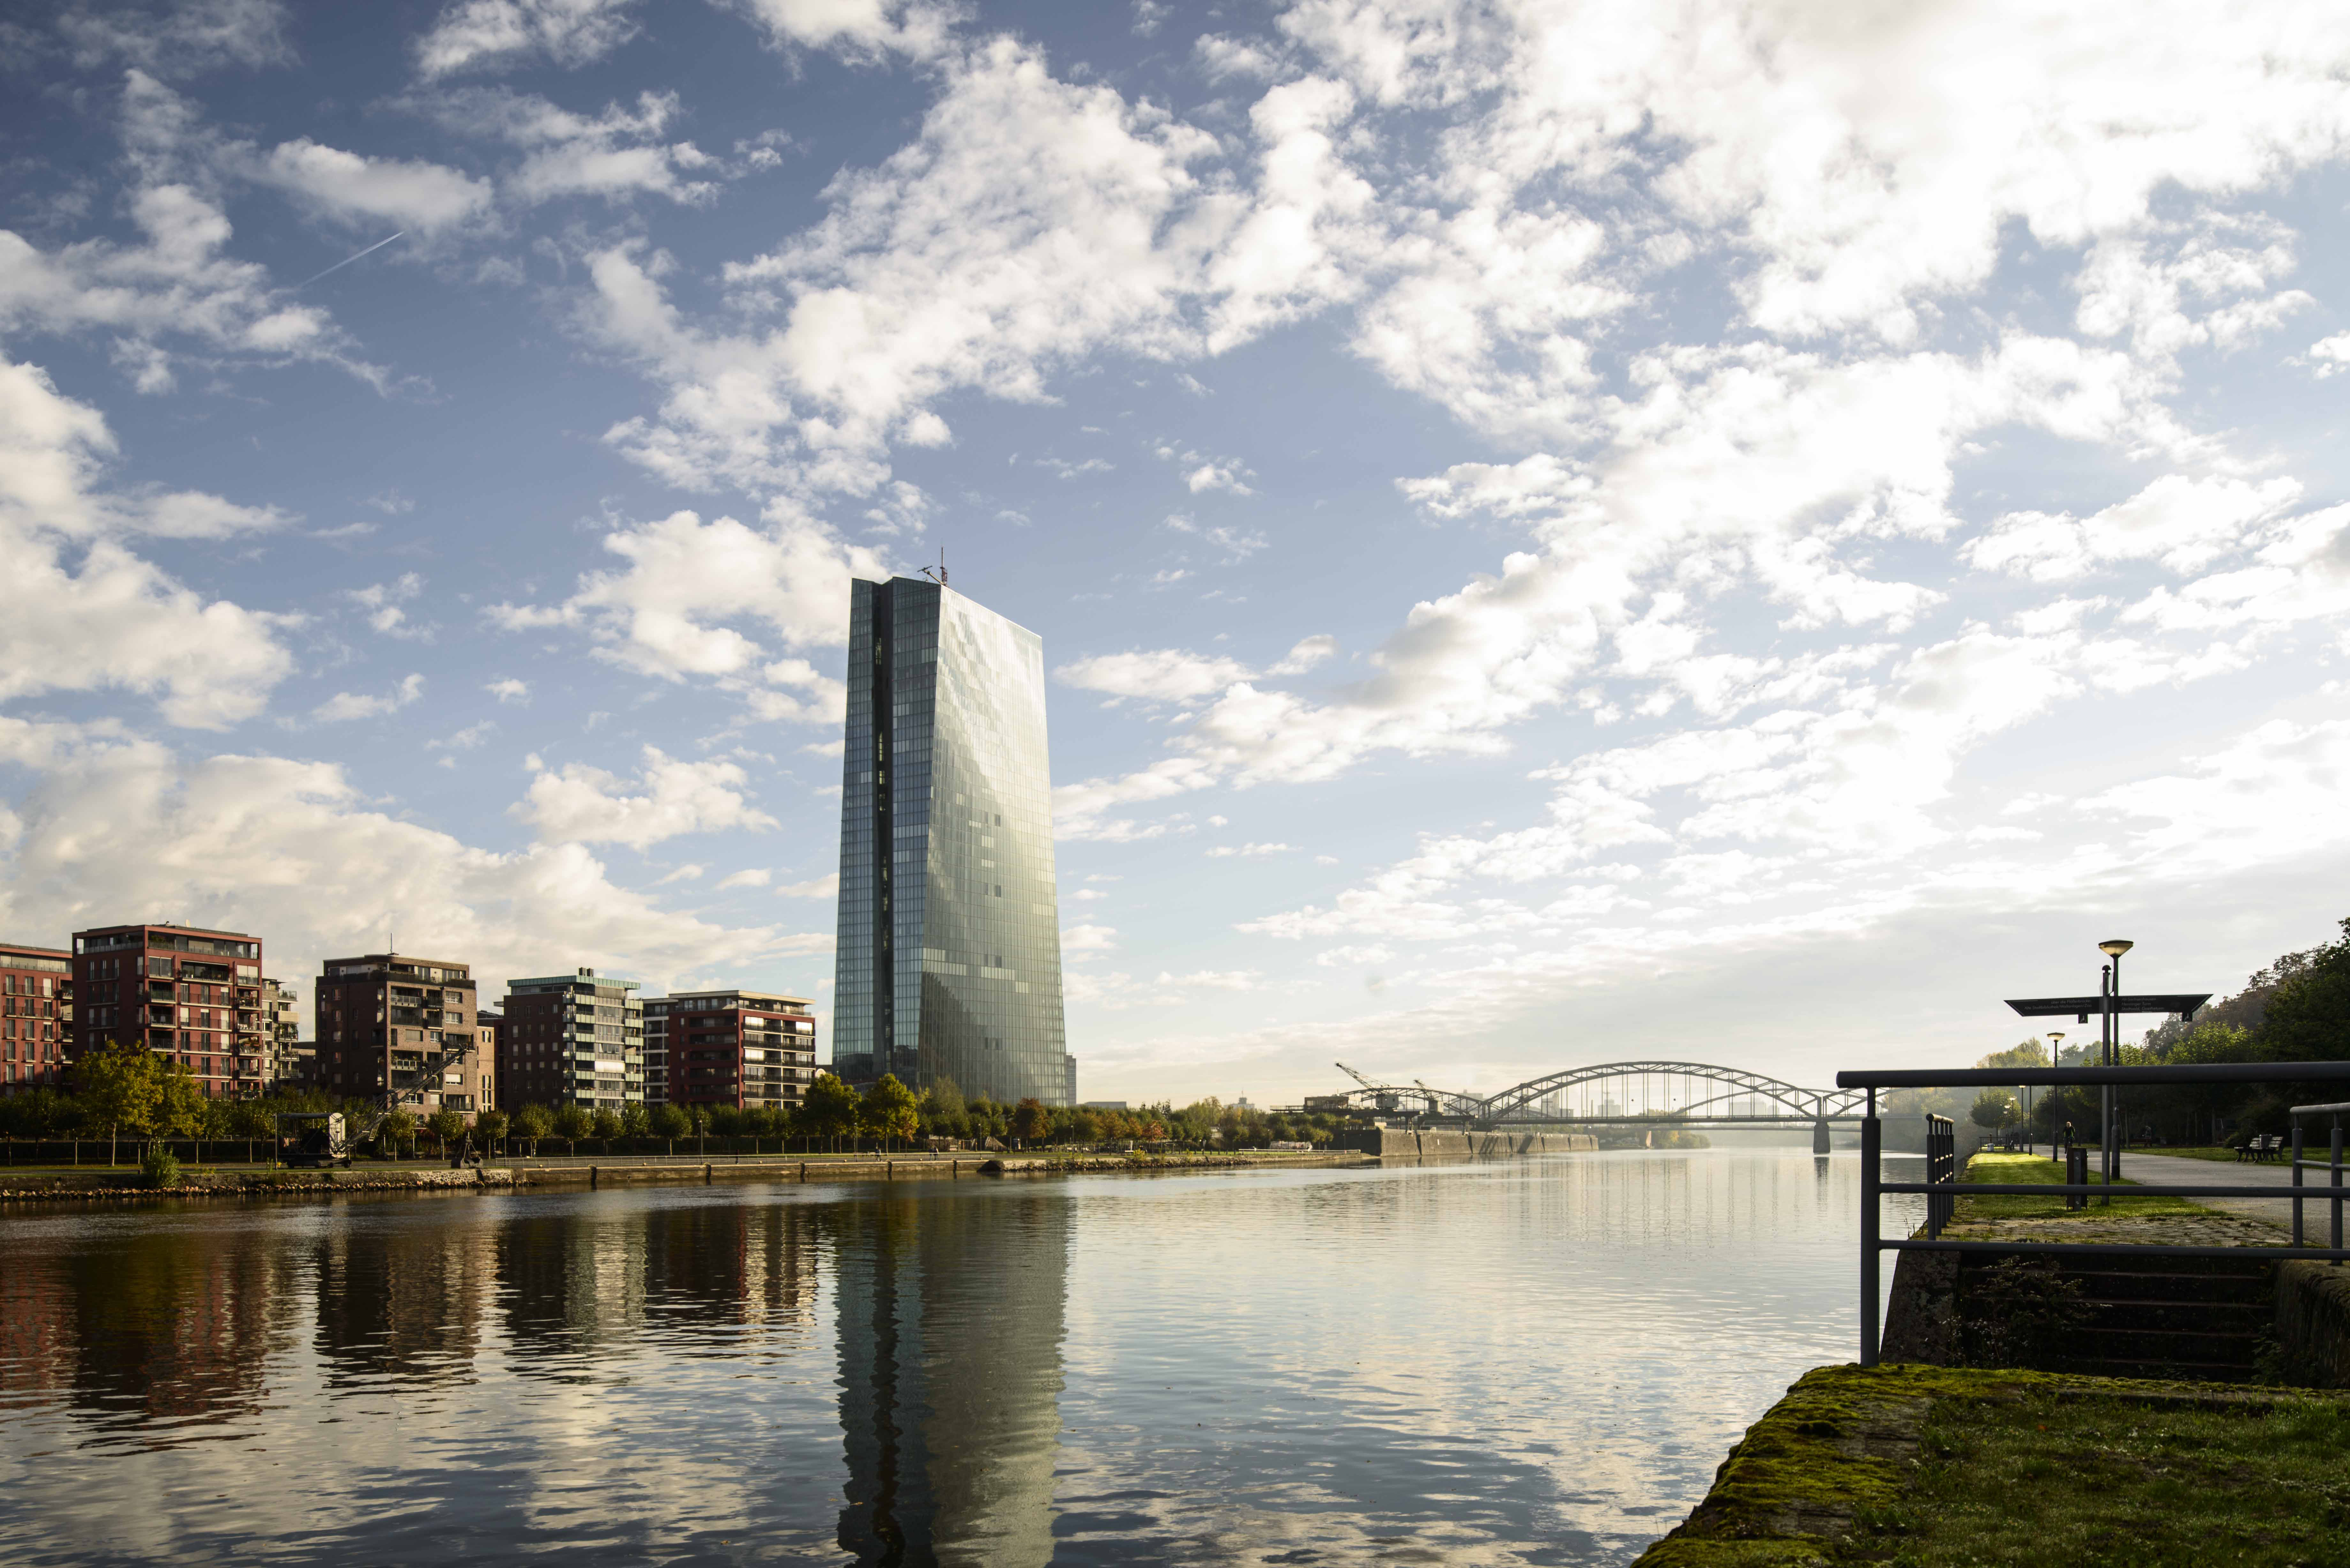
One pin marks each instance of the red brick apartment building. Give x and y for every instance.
(400, 1029)
(749, 1049)
(189, 991)
(36, 1016)
(572, 1039)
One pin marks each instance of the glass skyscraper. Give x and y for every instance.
(949, 964)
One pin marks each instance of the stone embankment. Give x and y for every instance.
(1395, 1143)
(126, 1184)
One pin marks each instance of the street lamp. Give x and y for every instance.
(2113, 947)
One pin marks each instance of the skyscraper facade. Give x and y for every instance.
(950, 945)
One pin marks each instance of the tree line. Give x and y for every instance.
(2297, 1009)
(126, 1093)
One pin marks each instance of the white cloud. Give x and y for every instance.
(2331, 356)
(2185, 523)
(577, 803)
(497, 34)
(290, 849)
(618, 154)
(382, 602)
(687, 873)
(1308, 652)
(757, 877)
(345, 706)
(180, 37)
(1166, 674)
(112, 619)
(858, 29)
(509, 690)
(1078, 941)
(350, 188)
(824, 887)
(668, 612)
(1249, 851)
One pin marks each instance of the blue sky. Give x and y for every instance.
(1562, 532)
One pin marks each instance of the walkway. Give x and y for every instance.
(2170, 1171)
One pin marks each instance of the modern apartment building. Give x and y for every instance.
(749, 1049)
(36, 1016)
(399, 1029)
(189, 991)
(657, 1050)
(284, 1059)
(572, 1039)
(949, 961)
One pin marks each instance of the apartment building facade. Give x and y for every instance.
(189, 991)
(750, 1049)
(284, 1059)
(35, 1017)
(572, 1039)
(399, 1029)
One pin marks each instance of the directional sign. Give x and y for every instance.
(2084, 1007)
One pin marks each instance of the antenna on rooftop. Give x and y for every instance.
(938, 573)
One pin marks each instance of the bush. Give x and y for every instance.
(159, 1167)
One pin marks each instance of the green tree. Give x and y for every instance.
(448, 1126)
(635, 1122)
(671, 1124)
(1030, 1121)
(887, 1111)
(607, 1127)
(490, 1127)
(830, 1109)
(531, 1124)
(397, 1128)
(2308, 1019)
(122, 1090)
(572, 1123)
(1993, 1107)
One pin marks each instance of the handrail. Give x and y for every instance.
(1942, 1188)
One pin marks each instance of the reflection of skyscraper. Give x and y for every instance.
(950, 941)
(951, 1318)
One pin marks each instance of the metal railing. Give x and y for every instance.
(1943, 1188)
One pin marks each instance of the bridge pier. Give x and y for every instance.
(1820, 1138)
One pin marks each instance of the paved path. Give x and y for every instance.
(2170, 1171)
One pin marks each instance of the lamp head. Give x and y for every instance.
(2115, 948)
(2057, 1035)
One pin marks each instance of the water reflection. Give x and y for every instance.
(950, 1344)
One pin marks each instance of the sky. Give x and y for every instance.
(1561, 532)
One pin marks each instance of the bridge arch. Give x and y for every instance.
(1791, 1100)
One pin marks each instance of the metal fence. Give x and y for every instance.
(1942, 1188)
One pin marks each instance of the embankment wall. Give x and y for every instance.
(2312, 1324)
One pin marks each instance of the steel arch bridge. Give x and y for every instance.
(1689, 1091)
(1635, 1091)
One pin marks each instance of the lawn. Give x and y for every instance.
(1936, 1468)
(2020, 1170)
(2225, 1155)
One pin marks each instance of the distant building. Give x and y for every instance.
(36, 1016)
(572, 1039)
(1105, 1105)
(657, 1050)
(190, 992)
(284, 1058)
(399, 1029)
(949, 960)
(750, 1049)
(486, 1027)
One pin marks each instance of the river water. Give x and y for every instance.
(1536, 1361)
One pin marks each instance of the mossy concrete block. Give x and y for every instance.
(2312, 1324)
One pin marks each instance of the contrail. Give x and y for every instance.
(347, 260)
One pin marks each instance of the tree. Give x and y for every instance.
(531, 1123)
(829, 1109)
(1030, 1121)
(671, 1124)
(448, 1126)
(397, 1128)
(2308, 1019)
(121, 1092)
(492, 1127)
(572, 1123)
(635, 1122)
(1993, 1107)
(607, 1127)
(889, 1111)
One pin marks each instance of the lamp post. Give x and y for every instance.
(2113, 947)
(2055, 1059)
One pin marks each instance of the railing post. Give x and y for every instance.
(2336, 1173)
(2296, 1181)
(1872, 1141)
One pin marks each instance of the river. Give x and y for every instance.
(1536, 1361)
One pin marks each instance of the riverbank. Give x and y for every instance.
(1932, 1466)
(126, 1184)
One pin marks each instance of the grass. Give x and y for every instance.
(2020, 1170)
(2226, 1155)
(2055, 1477)
(1937, 1467)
